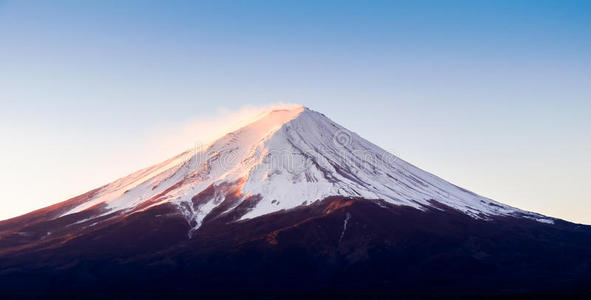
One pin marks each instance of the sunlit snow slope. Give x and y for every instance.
(285, 159)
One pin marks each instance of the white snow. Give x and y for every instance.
(347, 218)
(290, 157)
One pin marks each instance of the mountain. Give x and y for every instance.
(290, 205)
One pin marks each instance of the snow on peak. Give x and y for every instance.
(287, 158)
(192, 170)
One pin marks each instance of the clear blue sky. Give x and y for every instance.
(494, 96)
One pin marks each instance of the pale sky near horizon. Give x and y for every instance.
(494, 96)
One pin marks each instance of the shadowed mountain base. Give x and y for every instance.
(337, 247)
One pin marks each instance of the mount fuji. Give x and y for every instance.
(290, 205)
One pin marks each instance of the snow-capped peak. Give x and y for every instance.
(286, 158)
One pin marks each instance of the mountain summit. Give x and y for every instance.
(291, 194)
(285, 159)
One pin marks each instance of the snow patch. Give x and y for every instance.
(347, 217)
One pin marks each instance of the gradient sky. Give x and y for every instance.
(494, 96)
